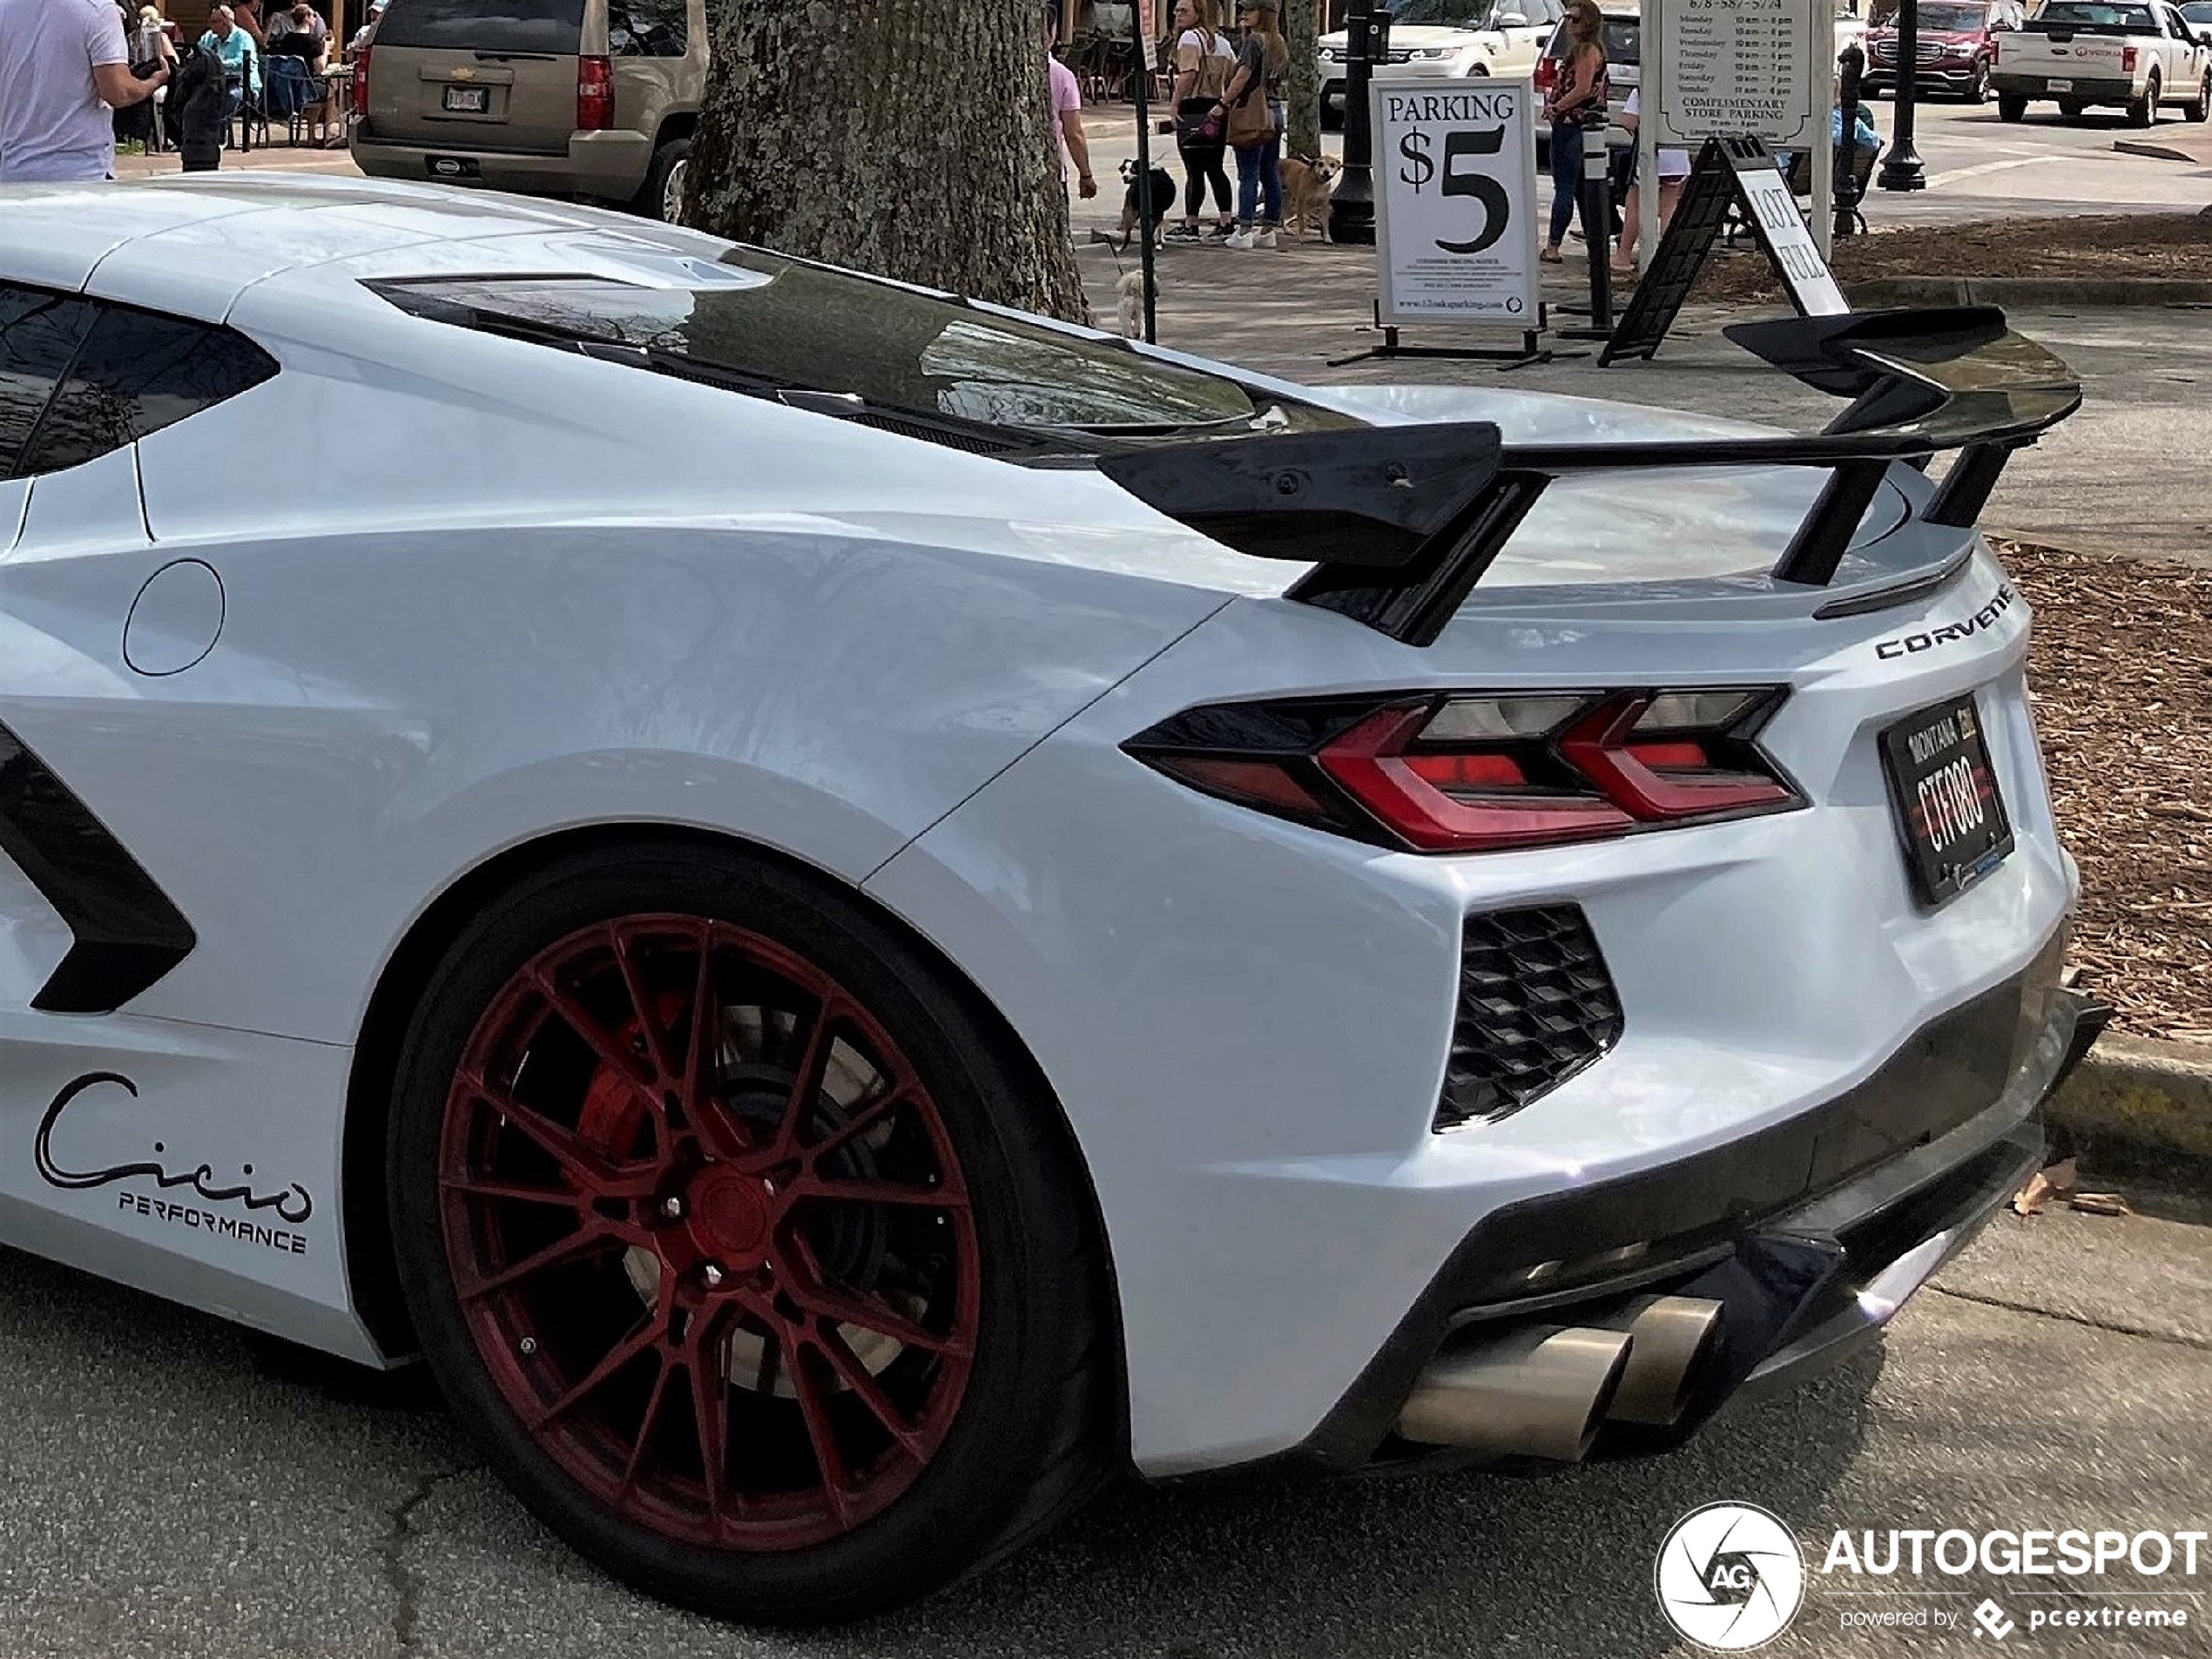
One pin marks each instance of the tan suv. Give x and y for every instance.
(589, 98)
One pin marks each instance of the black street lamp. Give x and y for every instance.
(1901, 168)
(1352, 205)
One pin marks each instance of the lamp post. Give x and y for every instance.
(1352, 205)
(1902, 168)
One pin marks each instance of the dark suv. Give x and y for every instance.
(1956, 49)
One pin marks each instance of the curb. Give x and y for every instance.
(2067, 295)
(2158, 151)
(2139, 1107)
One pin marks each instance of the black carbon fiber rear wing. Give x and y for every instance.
(1401, 522)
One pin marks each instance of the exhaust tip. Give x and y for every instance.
(1671, 1340)
(1541, 1391)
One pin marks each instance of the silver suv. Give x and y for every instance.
(589, 99)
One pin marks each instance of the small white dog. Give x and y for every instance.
(1128, 310)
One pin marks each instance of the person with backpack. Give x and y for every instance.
(1203, 63)
(1252, 105)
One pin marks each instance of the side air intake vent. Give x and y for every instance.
(1536, 1006)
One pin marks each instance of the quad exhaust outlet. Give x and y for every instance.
(1544, 1390)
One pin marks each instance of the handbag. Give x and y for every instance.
(1196, 127)
(1251, 120)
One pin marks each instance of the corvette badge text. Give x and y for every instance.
(1950, 632)
(261, 1209)
(1731, 1576)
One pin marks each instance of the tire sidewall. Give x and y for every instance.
(998, 1436)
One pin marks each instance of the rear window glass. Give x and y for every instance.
(2097, 19)
(1622, 38)
(555, 26)
(780, 324)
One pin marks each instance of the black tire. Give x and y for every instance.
(2200, 107)
(652, 196)
(2071, 109)
(1978, 88)
(2012, 106)
(2143, 112)
(1031, 1435)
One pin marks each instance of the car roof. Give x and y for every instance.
(193, 243)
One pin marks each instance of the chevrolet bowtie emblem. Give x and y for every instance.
(464, 74)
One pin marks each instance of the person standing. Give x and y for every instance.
(1263, 57)
(1674, 170)
(1580, 91)
(1067, 112)
(63, 70)
(1202, 64)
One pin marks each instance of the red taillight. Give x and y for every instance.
(1547, 73)
(1467, 773)
(360, 83)
(595, 94)
(2127, 58)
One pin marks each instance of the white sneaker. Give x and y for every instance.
(1240, 240)
(1263, 239)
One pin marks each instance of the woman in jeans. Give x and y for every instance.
(1203, 63)
(1580, 91)
(1261, 61)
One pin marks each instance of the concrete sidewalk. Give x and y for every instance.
(2116, 478)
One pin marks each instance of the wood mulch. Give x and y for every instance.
(2120, 670)
(2147, 245)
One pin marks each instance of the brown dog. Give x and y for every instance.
(1305, 194)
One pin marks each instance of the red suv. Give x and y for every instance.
(1957, 47)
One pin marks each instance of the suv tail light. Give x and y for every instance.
(360, 83)
(595, 94)
(2127, 58)
(1472, 773)
(1547, 73)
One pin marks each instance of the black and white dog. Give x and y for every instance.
(1162, 200)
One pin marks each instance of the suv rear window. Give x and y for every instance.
(1622, 36)
(552, 26)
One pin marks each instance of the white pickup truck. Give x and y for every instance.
(2138, 54)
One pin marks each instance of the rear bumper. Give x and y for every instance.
(1811, 1234)
(2085, 88)
(604, 166)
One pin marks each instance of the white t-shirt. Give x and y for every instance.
(53, 126)
(1191, 50)
(1673, 164)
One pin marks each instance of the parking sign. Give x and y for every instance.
(1455, 211)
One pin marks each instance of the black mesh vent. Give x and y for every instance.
(1536, 1005)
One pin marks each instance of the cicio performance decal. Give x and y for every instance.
(1950, 632)
(290, 1203)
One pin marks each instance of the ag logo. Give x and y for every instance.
(1730, 1576)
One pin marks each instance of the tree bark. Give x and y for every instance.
(1302, 93)
(911, 138)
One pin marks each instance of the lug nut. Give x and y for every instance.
(711, 1274)
(672, 1207)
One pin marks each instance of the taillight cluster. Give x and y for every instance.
(595, 94)
(1472, 773)
(2128, 59)
(361, 82)
(1546, 76)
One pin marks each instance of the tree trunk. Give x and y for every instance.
(1303, 93)
(912, 139)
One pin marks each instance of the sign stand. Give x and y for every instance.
(1455, 216)
(1146, 217)
(1728, 172)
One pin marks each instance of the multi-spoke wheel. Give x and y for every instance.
(720, 1214)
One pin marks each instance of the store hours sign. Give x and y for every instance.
(1455, 209)
(1754, 69)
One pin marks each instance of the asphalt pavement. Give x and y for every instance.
(170, 1486)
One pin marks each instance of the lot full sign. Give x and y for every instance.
(1455, 212)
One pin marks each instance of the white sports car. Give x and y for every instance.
(853, 911)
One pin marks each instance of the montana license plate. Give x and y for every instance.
(1948, 805)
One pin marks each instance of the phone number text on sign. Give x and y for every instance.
(1455, 225)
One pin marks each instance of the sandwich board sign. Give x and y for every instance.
(1736, 172)
(1455, 202)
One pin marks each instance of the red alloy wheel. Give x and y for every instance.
(709, 1234)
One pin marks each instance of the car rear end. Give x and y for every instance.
(1570, 1005)
(516, 96)
(2077, 53)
